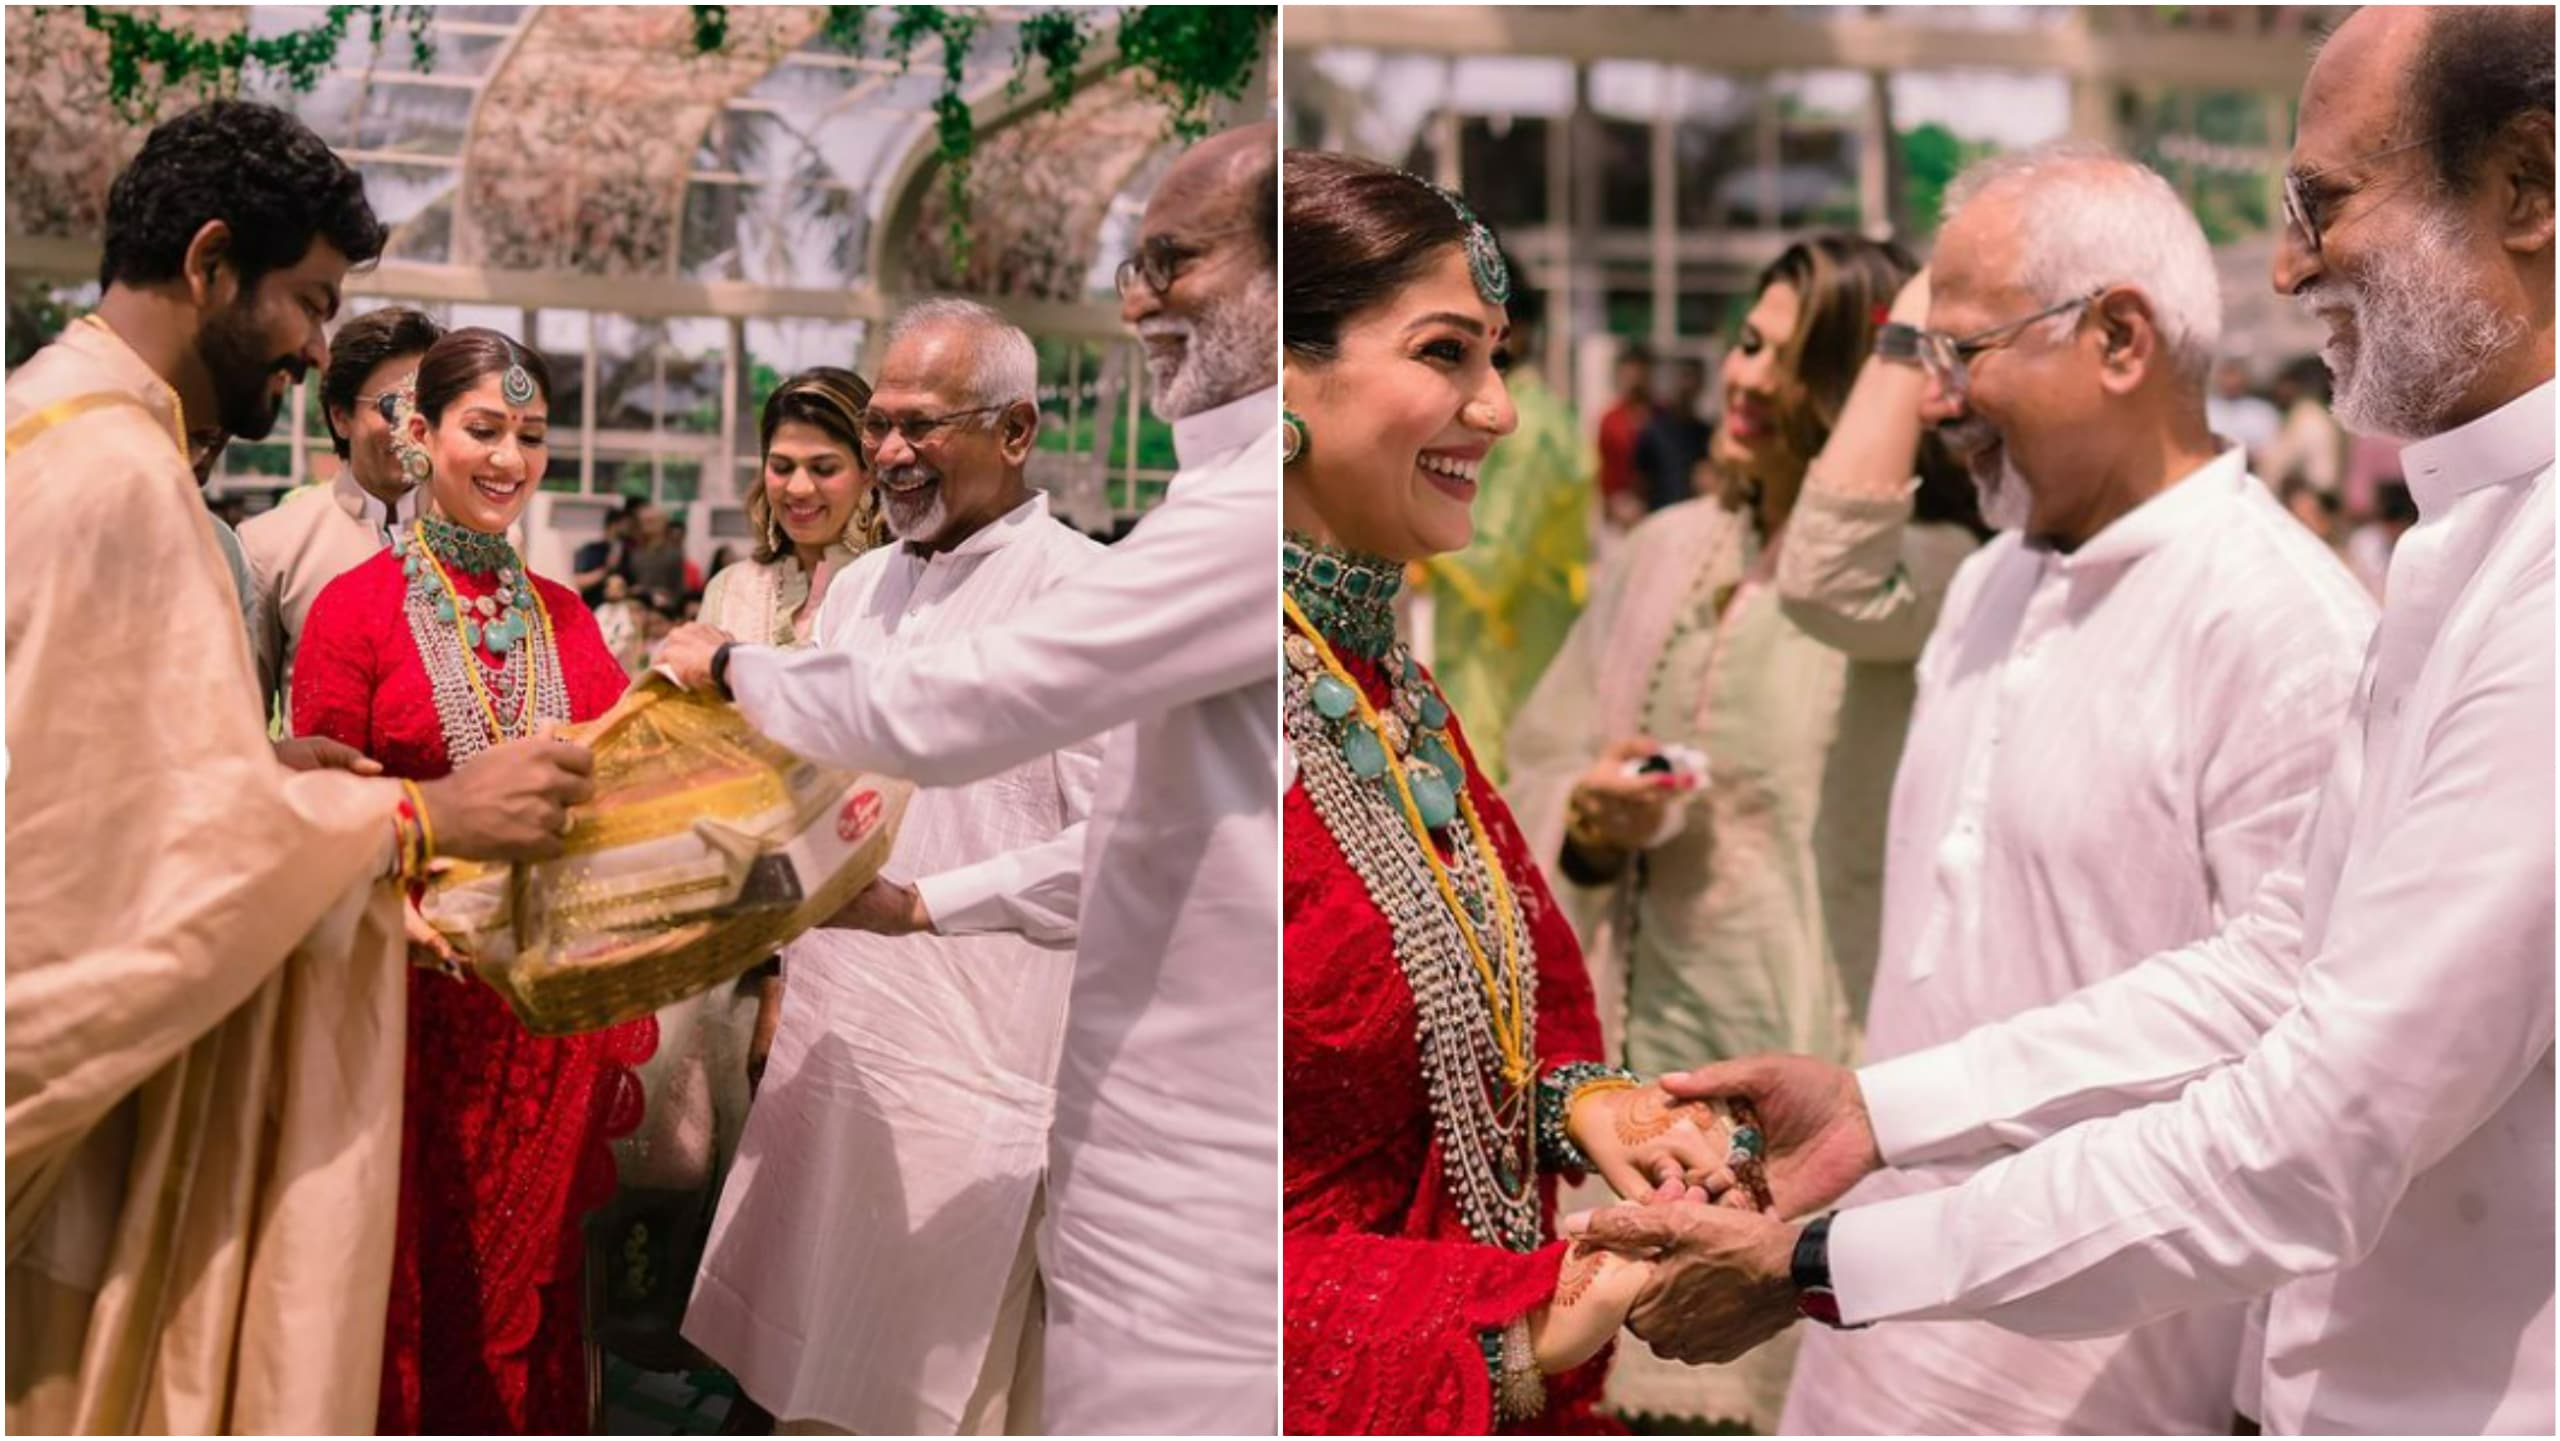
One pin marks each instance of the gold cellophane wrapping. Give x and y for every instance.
(705, 849)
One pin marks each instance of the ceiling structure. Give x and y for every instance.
(583, 156)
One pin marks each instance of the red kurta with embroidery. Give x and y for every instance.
(1386, 1292)
(504, 1136)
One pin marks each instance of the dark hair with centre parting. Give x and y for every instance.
(466, 357)
(257, 169)
(832, 399)
(361, 345)
(1357, 232)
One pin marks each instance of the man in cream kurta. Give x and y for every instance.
(205, 994)
(871, 1262)
(1160, 1250)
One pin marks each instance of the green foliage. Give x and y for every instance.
(1932, 157)
(147, 59)
(1188, 56)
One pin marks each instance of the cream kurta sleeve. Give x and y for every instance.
(1857, 575)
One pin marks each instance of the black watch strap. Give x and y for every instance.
(1810, 1269)
(720, 669)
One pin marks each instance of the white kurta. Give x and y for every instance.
(2108, 751)
(2349, 1088)
(890, 1161)
(1160, 1250)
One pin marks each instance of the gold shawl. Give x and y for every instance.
(205, 986)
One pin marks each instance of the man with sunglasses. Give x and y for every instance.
(2342, 1099)
(297, 548)
(1163, 1178)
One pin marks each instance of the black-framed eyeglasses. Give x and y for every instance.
(918, 429)
(1157, 264)
(385, 403)
(1949, 359)
(2301, 215)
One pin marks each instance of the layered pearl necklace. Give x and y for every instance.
(480, 702)
(1384, 784)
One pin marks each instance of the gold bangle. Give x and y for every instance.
(1522, 1396)
(426, 828)
(1574, 1097)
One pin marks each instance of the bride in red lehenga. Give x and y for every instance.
(1441, 1057)
(421, 658)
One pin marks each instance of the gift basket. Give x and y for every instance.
(705, 849)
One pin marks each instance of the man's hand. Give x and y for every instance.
(687, 650)
(1640, 1138)
(884, 908)
(1721, 1281)
(319, 753)
(1623, 812)
(510, 803)
(1813, 1120)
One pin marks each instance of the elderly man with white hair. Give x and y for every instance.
(2122, 716)
(871, 1267)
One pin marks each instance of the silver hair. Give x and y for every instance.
(2088, 218)
(1008, 366)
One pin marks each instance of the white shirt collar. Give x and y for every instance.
(996, 534)
(1200, 438)
(2166, 516)
(2512, 440)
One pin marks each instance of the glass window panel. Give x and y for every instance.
(413, 119)
(1716, 154)
(1503, 171)
(1626, 173)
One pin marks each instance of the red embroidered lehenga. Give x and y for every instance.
(505, 1135)
(1389, 1293)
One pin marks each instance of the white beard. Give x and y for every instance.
(2004, 499)
(911, 521)
(1228, 352)
(2422, 334)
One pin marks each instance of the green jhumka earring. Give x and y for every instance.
(1293, 436)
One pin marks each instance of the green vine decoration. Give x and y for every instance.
(146, 59)
(1186, 58)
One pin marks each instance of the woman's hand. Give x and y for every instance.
(427, 945)
(1595, 1290)
(1642, 1138)
(1620, 812)
(1911, 303)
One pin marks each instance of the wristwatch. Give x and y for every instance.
(1898, 343)
(720, 669)
(1811, 1271)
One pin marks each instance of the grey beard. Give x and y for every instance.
(1232, 349)
(2004, 500)
(2423, 334)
